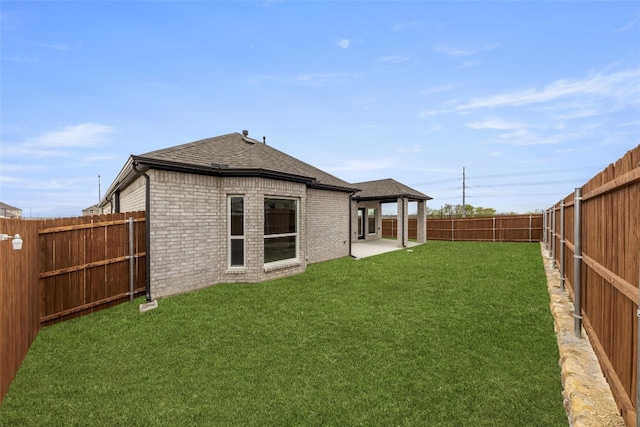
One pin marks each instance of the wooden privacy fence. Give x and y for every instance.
(593, 236)
(19, 297)
(512, 228)
(85, 264)
(66, 268)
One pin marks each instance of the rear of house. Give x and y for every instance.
(231, 209)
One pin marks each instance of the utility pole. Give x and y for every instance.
(99, 191)
(464, 203)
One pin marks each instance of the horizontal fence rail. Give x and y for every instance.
(511, 228)
(593, 236)
(67, 267)
(85, 264)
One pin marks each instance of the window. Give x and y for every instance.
(236, 231)
(371, 217)
(280, 230)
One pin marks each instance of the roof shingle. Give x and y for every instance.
(386, 190)
(236, 152)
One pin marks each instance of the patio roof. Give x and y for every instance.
(386, 190)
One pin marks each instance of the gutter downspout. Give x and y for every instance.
(351, 221)
(147, 224)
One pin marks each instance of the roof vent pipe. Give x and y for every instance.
(264, 140)
(245, 132)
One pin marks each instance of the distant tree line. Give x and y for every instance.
(467, 211)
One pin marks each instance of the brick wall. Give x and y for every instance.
(368, 234)
(189, 237)
(132, 198)
(328, 225)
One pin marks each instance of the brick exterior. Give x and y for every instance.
(132, 198)
(368, 234)
(189, 230)
(327, 225)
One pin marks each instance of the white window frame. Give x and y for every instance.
(242, 237)
(296, 234)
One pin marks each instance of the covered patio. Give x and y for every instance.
(376, 247)
(366, 210)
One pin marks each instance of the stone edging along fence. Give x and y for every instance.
(594, 238)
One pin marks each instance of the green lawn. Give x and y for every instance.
(450, 334)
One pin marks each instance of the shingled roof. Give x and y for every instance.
(235, 154)
(386, 190)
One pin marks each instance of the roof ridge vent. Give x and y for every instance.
(246, 138)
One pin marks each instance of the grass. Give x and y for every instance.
(450, 334)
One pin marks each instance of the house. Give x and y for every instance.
(91, 210)
(234, 209)
(8, 211)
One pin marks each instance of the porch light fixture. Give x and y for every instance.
(16, 242)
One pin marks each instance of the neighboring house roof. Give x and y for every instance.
(7, 211)
(386, 190)
(235, 154)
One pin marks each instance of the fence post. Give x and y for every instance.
(530, 225)
(494, 227)
(638, 364)
(577, 264)
(544, 229)
(131, 260)
(562, 245)
(453, 238)
(553, 236)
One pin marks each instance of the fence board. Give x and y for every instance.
(19, 297)
(610, 269)
(513, 228)
(88, 264)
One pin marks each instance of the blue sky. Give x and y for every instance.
(531, 98)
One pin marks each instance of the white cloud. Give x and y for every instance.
(628, 26)
(623, 86)
(461, 52)
(363, 165)
(60, 46)
(57, 143)
(495, 123)
(82, 135)
(396, 59)
(413, 149)
(344, 43)
(408, 25)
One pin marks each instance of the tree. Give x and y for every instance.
(457, 211)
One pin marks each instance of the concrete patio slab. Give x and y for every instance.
(377, 247)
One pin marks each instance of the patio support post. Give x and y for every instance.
(403, 221)
(422, 222)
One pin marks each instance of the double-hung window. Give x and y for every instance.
(280, 230)
(236, 231)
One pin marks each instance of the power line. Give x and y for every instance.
(510, 174)
(504, 175)
(521, 184)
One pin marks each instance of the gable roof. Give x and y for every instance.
(386, 190)
(235, 154)
(8, 207)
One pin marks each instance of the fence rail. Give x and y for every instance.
(593, 235)
(512, 228)
(66, 268)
